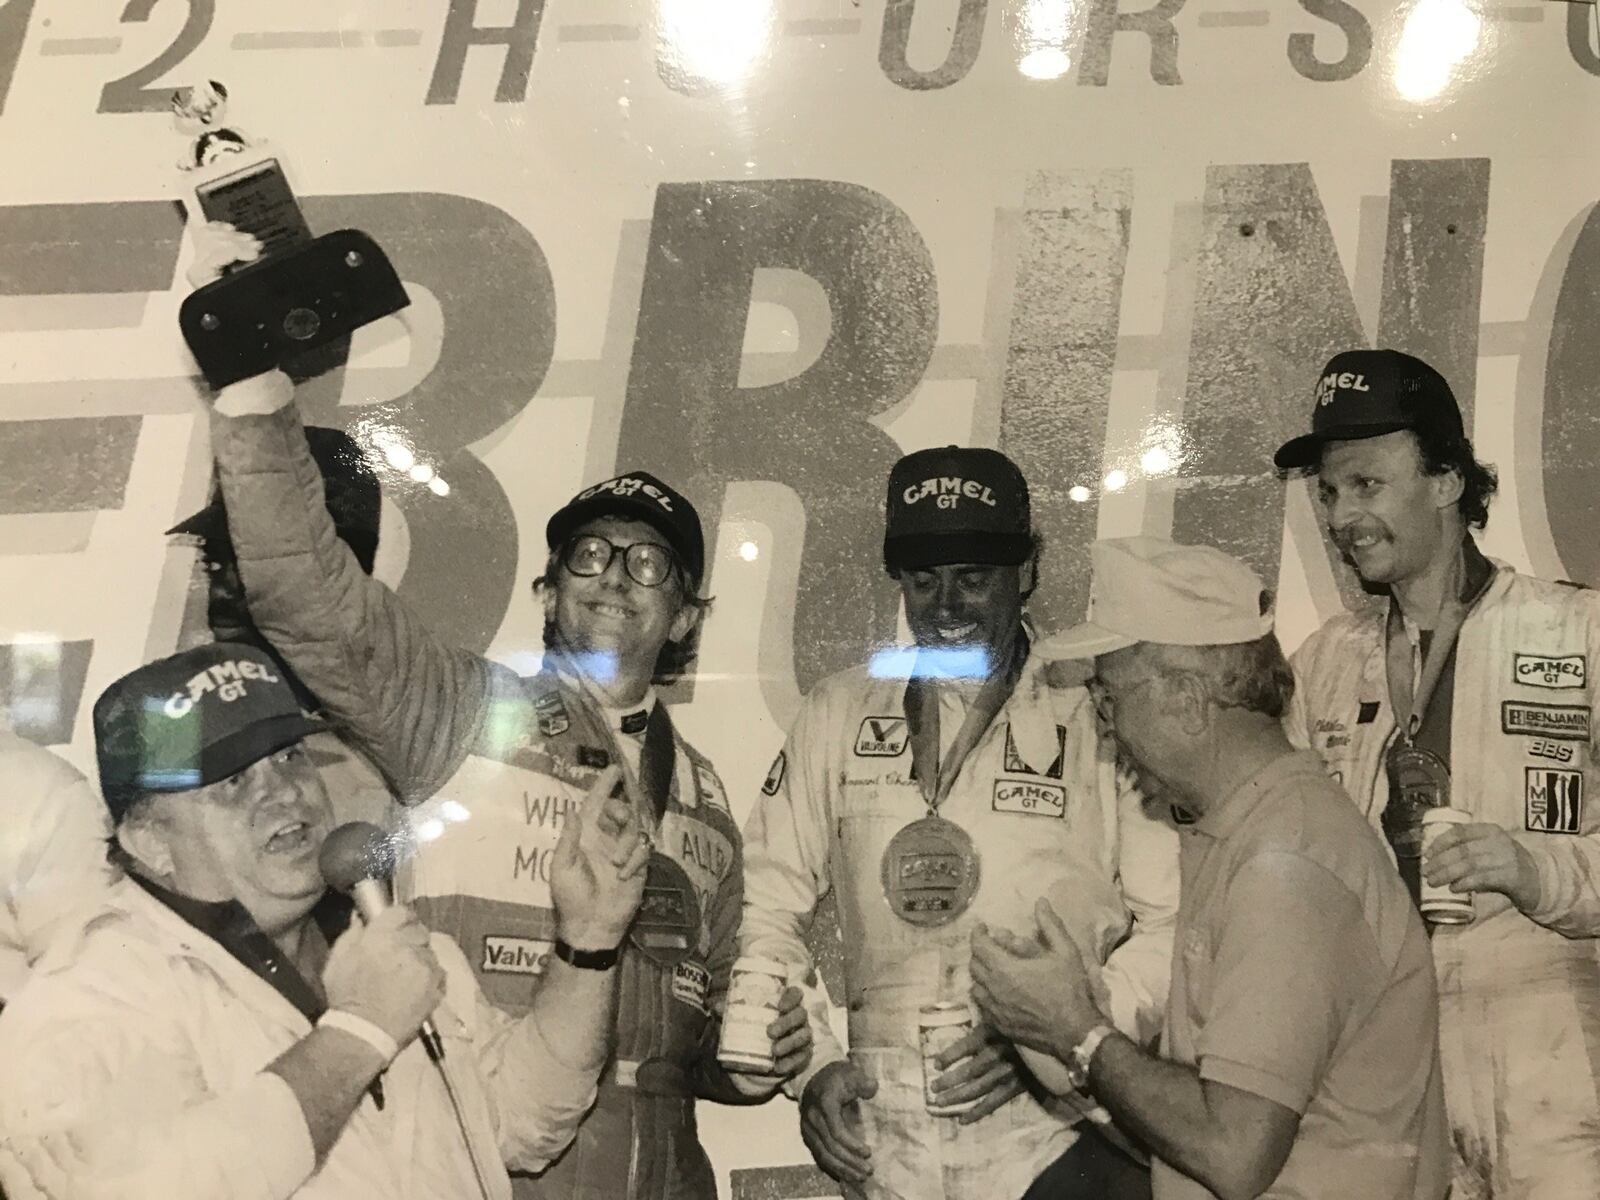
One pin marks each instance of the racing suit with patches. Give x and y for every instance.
(1041, 798)
(492, 765)
(1519, 992)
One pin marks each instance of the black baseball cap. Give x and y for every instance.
(956, 504)
(638, 496)
(350, 488)
(1368, 393)
(193, 719)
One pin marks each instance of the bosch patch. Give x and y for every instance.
(774, 779)
(881, 737)
(1554, 800)
(1029, 798)
(690, 983)
(1549, 671)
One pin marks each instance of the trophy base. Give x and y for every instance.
(262, 315)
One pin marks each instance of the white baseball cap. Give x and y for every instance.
(1146, 589)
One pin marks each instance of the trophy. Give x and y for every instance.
(304, 291)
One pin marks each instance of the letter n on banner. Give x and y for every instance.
(1273, 304)
(687, 417)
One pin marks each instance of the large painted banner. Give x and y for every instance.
(762, 248)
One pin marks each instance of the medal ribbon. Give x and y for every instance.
(1410, 706)
(657, 754)
(934, 778)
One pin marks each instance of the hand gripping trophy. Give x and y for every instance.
(304, 291)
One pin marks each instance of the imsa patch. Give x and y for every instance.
(1554, 800)
(882, 737)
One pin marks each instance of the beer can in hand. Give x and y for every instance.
(940, 1026)
(753, 993)
(1439, 905)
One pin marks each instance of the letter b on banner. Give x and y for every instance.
(688, 417)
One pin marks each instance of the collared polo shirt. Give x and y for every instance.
(1302, 974)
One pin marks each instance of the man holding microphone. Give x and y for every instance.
(222, 1028)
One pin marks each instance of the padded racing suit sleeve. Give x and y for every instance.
(413, 704)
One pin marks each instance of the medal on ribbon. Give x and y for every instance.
(667, 926)
(930, 872)
(1418, 781)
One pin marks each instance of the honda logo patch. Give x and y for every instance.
(1555, 800)
(881, 737)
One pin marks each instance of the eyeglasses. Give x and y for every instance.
(1105, 703)
(648, 564)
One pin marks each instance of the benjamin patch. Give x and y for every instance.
(690, 983)
(882, 737)
(1547, 671)
(1569, 722)
(1554, 800)
(775, 772)
(1032, 799)
(514, 955)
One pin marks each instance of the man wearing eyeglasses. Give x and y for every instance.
(934, 788)
(494, 764)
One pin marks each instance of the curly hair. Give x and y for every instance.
(1442, 451)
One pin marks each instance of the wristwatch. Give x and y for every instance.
(588, 960)
(1083, 1055)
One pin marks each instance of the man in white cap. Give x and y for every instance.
(1299, 1057)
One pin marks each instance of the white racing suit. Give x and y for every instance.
(1519, 993)
(1040, 797)
(493, 765)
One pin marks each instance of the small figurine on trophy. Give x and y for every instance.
(304, 291)
(231, 177)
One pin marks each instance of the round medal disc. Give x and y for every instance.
(667, 927)
(1418, 781)
(930, 872)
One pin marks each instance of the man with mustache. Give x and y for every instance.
(493, 766)
(221, 1028)
(936, 787)
(1469, 688)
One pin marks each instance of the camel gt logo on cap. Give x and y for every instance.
(226, 679)
(881, 737)
(948, 491)
(1545, 671)
(629, 485)
(1339, 380)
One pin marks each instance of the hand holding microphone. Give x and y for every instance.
(382, 970)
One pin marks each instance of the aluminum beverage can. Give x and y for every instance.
(1439, 905)
(940, 1026)
(753, 992)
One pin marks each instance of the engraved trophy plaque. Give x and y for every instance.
(304, 291)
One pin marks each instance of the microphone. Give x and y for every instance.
(358, 858)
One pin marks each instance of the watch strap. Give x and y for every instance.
(1083, 1055)
(588, 960)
